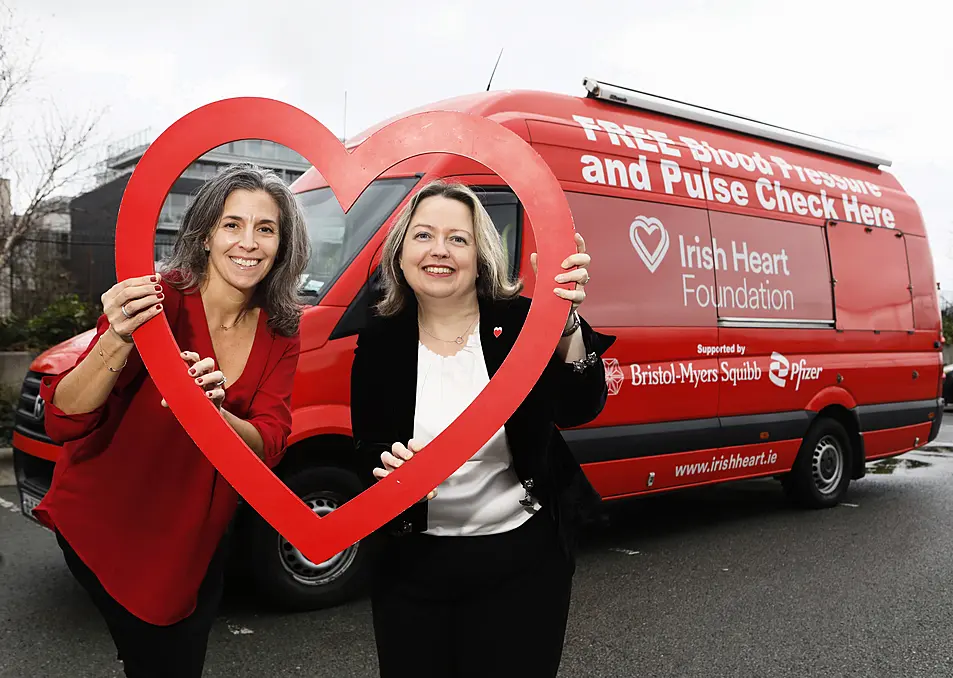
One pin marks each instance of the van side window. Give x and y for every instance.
(873, 290)
(503, 208)
(653, 263)
(771, 272)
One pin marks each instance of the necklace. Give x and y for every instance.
(458, 340)
(241, 316)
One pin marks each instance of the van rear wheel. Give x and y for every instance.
(822, 469)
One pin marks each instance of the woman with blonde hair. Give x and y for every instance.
(475, 579)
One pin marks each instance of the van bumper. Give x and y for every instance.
(937, 419)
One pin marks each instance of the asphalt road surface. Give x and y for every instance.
(724, 581)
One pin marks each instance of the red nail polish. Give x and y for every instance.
(158, 288)
(192, 371)
(199, 380)
(161, 296)
(158, 307)
(153, 279)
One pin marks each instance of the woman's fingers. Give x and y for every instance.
(124, 326)
(120, 287)
(401, 452)
(131, 303)
(391, 462)
(210, 380)
(394, 459)
(132, 294)
(579, 276)
(216, 395)
(139, 303)
(577, 260)
(576, 296)
(202, 367)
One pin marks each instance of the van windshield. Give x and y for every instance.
(336, 237)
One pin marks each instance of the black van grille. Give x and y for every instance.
(34, 475)
(29, 415)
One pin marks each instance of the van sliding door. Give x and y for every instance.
(773, 291)
(663, 390)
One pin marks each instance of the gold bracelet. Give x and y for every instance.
(101, 355)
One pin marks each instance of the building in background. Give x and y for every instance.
(36, 270)
(93, 214)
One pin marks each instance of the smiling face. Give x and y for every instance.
(243, 244)
(439, 253)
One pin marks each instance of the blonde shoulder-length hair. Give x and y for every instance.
(492, 283)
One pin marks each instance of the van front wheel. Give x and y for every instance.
(283, 575)
(821, 471)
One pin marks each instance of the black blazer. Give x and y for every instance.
(383, 401)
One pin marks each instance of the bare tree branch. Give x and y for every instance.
(59, 145)
(16, 72)
(57, 155)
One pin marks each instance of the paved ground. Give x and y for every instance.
(726, 581)
(6, 467)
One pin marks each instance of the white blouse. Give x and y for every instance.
(482, 496)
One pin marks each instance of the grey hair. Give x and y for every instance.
(277, 293)
(492, 281)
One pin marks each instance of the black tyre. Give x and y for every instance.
(283, 577)
(822, 469)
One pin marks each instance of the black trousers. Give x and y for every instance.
(147, 650)
(461, 607)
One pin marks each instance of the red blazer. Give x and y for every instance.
(133, 495)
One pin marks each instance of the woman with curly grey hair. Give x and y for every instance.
(139, 512)
(459, 569)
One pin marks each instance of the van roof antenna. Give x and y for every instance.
(494, 70)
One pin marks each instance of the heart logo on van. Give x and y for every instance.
(649, 225)
(348, 173)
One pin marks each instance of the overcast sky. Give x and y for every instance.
(872, 74)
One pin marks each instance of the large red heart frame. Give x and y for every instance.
(348, 173)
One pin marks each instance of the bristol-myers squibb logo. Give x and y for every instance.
(651, 258)
(780, 371)
(614, 375)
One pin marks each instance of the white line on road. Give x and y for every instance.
(10, 506)
(628, 552)
(239, 630)
(849, 505)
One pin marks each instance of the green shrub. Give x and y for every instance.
(14, 335)
(63, 319)
(8, 409)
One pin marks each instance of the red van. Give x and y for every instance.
(773, 295)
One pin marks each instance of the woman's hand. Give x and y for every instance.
(131, 303)
(395, 458)
(579, 262)
(211, 380)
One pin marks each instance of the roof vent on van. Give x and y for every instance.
(651, 102)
